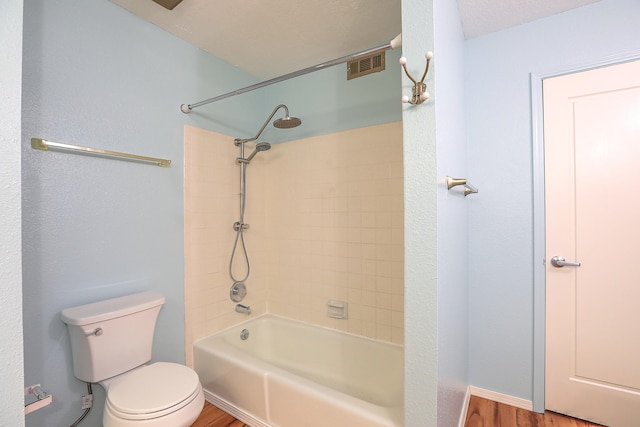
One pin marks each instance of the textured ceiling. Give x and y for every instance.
(486, 16)
(268, 38)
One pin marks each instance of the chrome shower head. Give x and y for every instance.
(287, 122)
(284, 123)
(260, 146)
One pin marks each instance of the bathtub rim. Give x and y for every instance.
(300, 322)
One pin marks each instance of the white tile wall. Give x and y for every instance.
(335, 224)
(326, 216)
(211, 207)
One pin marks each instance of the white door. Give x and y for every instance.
(592, 190)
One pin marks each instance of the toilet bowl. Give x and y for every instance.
(161, 394)
(111, 343)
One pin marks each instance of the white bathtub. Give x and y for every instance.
(291, 374)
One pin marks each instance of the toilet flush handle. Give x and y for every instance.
(96, 332)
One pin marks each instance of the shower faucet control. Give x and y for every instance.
(245, 309)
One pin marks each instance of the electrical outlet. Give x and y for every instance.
(87, 401)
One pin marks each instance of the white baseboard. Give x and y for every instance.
(234, 411)
(465, 408)
(501, 398)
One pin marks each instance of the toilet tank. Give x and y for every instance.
(112, 336)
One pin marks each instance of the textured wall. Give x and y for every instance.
(452, 214)
(95, 228)
(11, 362)
(421, 287)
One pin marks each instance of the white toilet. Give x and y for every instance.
(111, 343)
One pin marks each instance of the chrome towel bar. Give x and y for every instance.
(42, 144)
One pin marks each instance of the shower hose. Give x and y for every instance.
(240, 226)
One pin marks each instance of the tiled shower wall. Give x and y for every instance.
(335, 230)
(326, 216)
(211, 205)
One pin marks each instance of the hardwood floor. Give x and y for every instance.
(482, 413)
(211, 416)
(487, 413)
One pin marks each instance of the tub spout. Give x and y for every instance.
(243, 309)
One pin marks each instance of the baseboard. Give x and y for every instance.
(501, 398)
(465, 408)
(232, 410)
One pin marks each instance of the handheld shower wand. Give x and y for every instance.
(240, 226)
(260, 146)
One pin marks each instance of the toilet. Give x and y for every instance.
(111, 344)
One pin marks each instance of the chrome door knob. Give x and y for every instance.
(559, 262)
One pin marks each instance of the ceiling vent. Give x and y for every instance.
(168, 4)
(363, 66)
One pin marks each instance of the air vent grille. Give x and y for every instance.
(363, 66)
(168, 4)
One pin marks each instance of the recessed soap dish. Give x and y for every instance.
(337, 309)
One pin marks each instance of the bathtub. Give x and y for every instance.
(291, 374)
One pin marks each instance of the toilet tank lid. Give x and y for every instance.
(111, 308)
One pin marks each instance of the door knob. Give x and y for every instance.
(559, 262)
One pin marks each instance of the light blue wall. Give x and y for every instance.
(327, 102)
(421, 287)
(96, 75)
(499, 126)
(11, 362)
(94, 228)
(452, 213)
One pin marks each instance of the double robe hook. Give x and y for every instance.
(420, 93)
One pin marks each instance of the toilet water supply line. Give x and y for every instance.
(87, 404)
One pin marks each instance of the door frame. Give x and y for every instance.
(538, 214)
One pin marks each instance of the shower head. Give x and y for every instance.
(260, 146)
(263, 146)
(284, 123)
(287, 122)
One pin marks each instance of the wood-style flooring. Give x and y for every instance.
(211, 416)
(487, 413)
(481, 413)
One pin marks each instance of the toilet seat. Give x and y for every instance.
(152, 391)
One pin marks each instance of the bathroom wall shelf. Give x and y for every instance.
(42, 144)
(454, 182)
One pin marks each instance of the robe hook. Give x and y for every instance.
(420, 93)
(454, 182)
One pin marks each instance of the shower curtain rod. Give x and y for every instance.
(395, 43)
